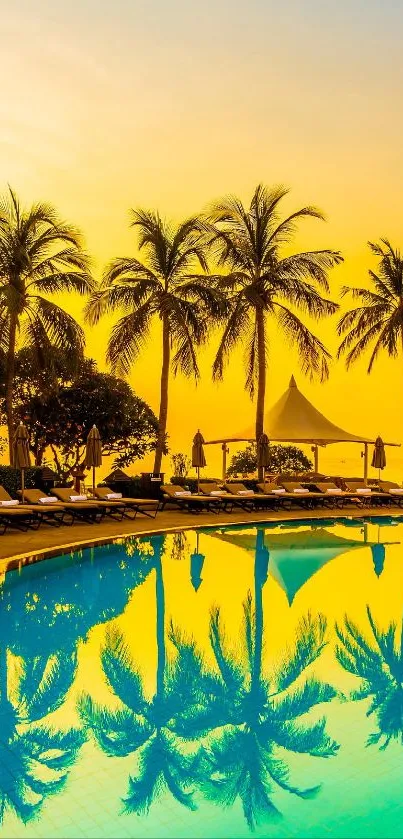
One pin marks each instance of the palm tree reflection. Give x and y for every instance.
(246, 716)
(219, 729)
(34, 756)
(378, 662)
(140, 726)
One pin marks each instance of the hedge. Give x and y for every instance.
(10, 479)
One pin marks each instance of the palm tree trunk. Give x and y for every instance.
(160, 601)
(10, 372)
(258, 645)
(166, 352)
(261, 385)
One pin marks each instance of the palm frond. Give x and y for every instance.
(313, 355)
(120, 672)
(309, 644)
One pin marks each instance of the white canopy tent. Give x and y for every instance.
(293, 419)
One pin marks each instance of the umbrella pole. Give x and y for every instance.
(198, 480)
(93, 480)
(22, 486)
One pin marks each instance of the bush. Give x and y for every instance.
(282, 459)
(10, 479)
(131, 489)
(191, 483)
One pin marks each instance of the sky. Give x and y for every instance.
(108, 106)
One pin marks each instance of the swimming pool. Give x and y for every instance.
(217, 683)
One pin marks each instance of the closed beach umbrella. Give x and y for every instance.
(263, 453)
(379, 456)
(196, 566)
(93, 454)
(198, 458)
(21, 458)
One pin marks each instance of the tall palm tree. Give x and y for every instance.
(266, 287)
(378, 321)
(378, 662)
(140, 726)
(40, 255)
(246, 715)
(164, 287)
(34, 756)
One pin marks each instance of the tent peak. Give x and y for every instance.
(292, 382)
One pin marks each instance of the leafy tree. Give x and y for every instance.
(144, 727)
(266, 288)
(282, 459)
(43, 616)
(40, 256)
(181, 464)
(162, 287)
(378, 663)
(60, 421)
(378, 320)
(247, 715)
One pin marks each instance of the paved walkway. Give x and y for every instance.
(16, 548)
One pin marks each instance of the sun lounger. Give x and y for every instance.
(248, 499)
(228, 499)
(302, 496)
(335, 496)
(45, 513)
(175, 494)
(19, 519)
(132, 506)
(368, 495)
(393, 490)
(88, 511)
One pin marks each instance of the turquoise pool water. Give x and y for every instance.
(215, 683)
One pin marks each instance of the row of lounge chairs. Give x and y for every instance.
(63, 507)
(213, 497)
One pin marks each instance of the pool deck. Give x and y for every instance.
(18, 548)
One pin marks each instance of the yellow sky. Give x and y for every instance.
(111, 106)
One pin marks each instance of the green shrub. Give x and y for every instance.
(10, 479)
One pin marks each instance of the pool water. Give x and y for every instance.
(215, 683)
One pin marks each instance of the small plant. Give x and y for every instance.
(181, 464)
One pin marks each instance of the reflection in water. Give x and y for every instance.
(234, 717)
(379, 665)
(34, 756)
(140, 727)
(223, 720)
(248, 714)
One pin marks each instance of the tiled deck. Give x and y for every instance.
(16, 546)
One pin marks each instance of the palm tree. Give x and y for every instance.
(140, 726)
(247, 715)
(379, 318)
(40, 255)
(34, 756)
(163, 287)
(265, 287)
(378, 663)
